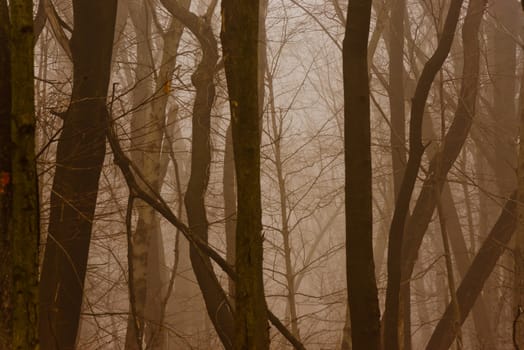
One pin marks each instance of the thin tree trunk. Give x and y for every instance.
(398, 139)
(80, 155)
(23, 225)
(362, 286)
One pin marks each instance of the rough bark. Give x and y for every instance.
(416, 150)
(362, 287)
(23, 222)
(240, 25)
(474, 280)
(80, 155)
(5, 181)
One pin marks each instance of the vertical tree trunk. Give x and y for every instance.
(5, 181)
(362, 286)
(398, 138)
(230, 207)
(146, 138)
(519, 248)
(23, 225)
(240, 25)
(80, 155)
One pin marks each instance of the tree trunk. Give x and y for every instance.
(453, 141)
(240, 25)
(398, 138)
(362, 286)
(472, 283)
(23, 226)
(6, 262)
(416, 150)
(80, 155)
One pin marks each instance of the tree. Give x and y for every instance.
(239, 42)
(19, 207)
(80, 155)
(416, 151)
(362, 288)
(5, 177)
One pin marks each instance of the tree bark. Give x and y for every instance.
(362, 286)
(23, 226)
(80, 155)
(6, 262)
(240, 26)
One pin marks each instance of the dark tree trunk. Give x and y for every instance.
(80, 155)
(474, 280)
(362, 286)
(5, 181)
(240, 25)
(23, 226)
(416, 150)
(214, 295)
(453, 141)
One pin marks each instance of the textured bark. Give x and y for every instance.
(416, 150)
(362, 286)
(23, 223)
(80, 155)
(240, 25)
(6, 264)
(474, 280)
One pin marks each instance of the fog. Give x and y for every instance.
(209, 182)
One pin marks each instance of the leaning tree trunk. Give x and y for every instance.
(23, 226)
(416, 150)
(80, 155)
(362, 286)
(239, 39)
